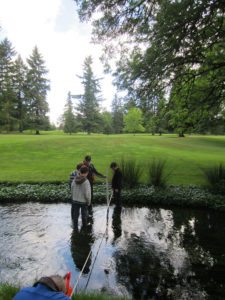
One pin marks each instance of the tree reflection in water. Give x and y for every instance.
(201, 237)
(166, 264)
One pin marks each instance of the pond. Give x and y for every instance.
(143, 253)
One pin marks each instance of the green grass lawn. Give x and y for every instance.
(52, 156)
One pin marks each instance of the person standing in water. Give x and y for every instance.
(81, 196)
(92, 172)
(116, 183)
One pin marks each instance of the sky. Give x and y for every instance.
(63, 41)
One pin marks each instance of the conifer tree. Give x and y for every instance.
(88, 108)
(36, 92)
(117, 115)
(70, 124)
(7, 95)
(20, 74)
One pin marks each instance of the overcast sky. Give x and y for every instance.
(64, 42)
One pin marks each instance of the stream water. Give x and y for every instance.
(147, 253)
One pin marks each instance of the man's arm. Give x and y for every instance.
(95, 172)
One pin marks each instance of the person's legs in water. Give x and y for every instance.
(76, 213)
(72, 210)
(116, 196)
(90, 210)
(84, 214)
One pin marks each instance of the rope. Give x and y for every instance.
(81, 272)
(99, 245)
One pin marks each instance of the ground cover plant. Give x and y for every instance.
(143, 195)
(50, 157)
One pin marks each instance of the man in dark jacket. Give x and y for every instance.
(116, 183)
(92, 172)
(52, 287)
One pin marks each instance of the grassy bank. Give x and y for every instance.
(7, 292)
(50, 157)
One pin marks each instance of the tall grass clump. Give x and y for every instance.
(131, 171)
(157, 175)
(215, 178)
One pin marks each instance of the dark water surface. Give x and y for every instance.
(146, 253)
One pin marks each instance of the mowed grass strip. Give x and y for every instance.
(51, 157)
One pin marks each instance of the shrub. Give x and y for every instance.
(157, 175)
(215, 178)
(131, 171)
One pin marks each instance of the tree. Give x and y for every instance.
(36, 92)
(7, 94)
(133, 121)
(117, 115)
(88, 108)
(193, 108)
(20, 74)
(70, 124)
(107, 121)
(167, 41)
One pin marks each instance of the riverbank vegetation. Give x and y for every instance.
(143, 195)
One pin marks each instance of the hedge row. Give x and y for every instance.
(183, 196)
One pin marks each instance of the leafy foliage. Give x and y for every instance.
(107, 126)
(184, 196)
(162, 44)
(133, 121)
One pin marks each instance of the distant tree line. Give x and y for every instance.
(171, 60)
(159, 115)
(23, 90)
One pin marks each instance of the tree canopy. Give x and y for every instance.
(163, 44)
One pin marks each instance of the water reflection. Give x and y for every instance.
(116, 222)
(202, 239)
(81, 242)
(147, 253)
